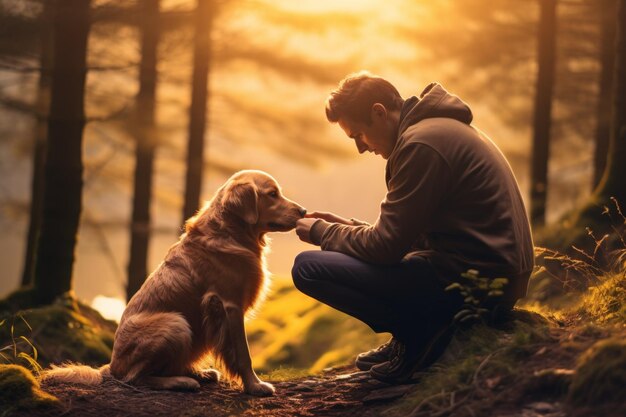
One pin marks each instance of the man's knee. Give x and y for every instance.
(305, 269)
(300, 267)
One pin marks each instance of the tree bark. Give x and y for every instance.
(64, 167)
(613, 183)
(546, 43)
(144, 147)
(39, 145)
(607, 67)
(198, 109)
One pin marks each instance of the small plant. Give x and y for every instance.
(15, 352)
(608, 255)
(479, 293)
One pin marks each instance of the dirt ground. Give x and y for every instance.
(344, 391)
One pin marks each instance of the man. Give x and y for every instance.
(452, 204)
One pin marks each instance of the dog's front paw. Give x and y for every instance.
(259, 389)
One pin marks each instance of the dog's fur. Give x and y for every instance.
(195, 302)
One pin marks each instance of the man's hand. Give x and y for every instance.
(303, 228)
(329, 217)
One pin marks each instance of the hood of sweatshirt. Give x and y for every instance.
(434, 101)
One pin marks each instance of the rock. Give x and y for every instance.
(354, 376)
(387, 394)
(303, 388)
(542, 407)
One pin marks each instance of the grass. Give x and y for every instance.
(493, 353)
(604, 303)
(294, 331)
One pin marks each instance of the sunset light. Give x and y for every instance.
(111, 308)
(312, 208)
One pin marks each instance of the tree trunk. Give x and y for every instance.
(607, 67)
(64, 167)
(39, 148)
(144, 147)
(613, 183)
(546, 43)
(198, 110)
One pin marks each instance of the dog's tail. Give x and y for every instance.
(76, 374)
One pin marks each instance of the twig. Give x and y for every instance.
(469, 410)
(418, 412)
(124, 384)
(480, 367)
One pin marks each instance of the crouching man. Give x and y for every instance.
(452, 204)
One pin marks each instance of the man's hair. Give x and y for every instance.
(357, 93)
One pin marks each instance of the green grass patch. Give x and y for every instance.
(20, 391)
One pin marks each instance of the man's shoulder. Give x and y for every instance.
(437, 129)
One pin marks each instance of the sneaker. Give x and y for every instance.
(383, 353)
(409, 359)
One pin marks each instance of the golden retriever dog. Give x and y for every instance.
(194, 304)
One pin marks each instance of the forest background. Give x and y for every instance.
(270, 66)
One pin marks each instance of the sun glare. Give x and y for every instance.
(111, 308)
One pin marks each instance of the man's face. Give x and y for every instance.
(378, 137)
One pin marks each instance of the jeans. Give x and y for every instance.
(407, 299)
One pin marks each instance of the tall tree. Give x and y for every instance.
(145, 145)
(613, 183)
(573, 229)
(64, 167)
(198, 110)
(39, 143)
(607, 64)
(542, 123)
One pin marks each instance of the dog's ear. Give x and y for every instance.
(241, 198)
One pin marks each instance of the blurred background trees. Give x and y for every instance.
(180, 94)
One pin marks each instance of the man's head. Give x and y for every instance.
(367, 108)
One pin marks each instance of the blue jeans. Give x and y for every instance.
(407, 299)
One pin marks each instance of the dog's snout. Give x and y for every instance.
(302, 211)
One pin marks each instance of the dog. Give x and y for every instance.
(192, 307)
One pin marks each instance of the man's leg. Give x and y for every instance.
(406, 299)
(380, 296)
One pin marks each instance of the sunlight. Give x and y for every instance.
(324, 5)
(111, 308)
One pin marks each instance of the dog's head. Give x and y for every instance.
(256, 198)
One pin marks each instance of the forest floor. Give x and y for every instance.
(531, 389)
(542, 360)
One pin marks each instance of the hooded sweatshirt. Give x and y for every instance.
(451, 198)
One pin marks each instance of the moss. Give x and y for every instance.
(19, 391)
(600, 376)
(295, 331)
(284, 374)
(63, 331)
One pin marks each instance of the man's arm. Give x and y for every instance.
(304, 226)
(420, 178)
